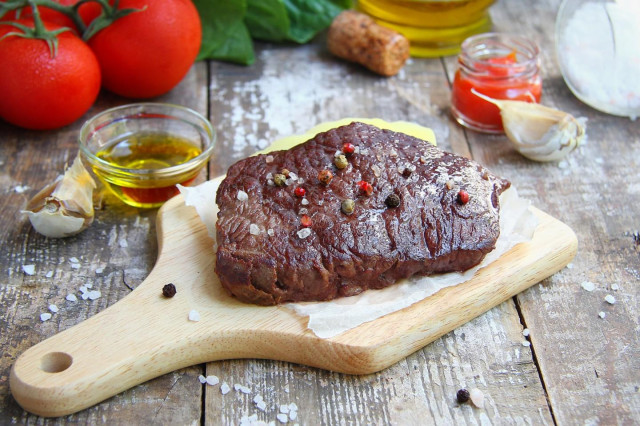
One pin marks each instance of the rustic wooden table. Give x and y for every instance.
(579, 369)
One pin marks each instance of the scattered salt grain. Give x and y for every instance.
(94, 294)
(75, 266)
(242, 196)
(304, 233)
(212, 380)
(74, 260)
(282, 418)
(53, 308)
(293, 407)
(88, 285)
(338, 153)
(85, 296)
(393, 153)
(284, 409)
(29, 269)
(300, 181)
(526, 332)
(224, 388)
(563, 164)
(45, 316)
(123, 243)
(588, 285)
(270, 182)
(376, 170)
(268, 159)
(20, 189)
(602, 314)
(258, 398)
(270, 175)
(202, 379)
(71, 297)
(293, 176)
(477, 397)
(270, 232)
(261, 405)
(526, 343)
(615, 287)
(253, 229)
(293, 415)
(99, 270)
(610, 299)
(569, 265)
(304, 202)
(240, 388)
(49, 274)
(194, 315)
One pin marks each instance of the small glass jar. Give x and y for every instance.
(142, 151)
(499, 66)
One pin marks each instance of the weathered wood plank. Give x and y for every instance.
(114, 255)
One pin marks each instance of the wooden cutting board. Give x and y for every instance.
(146, 335)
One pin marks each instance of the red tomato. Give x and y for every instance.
(147, 53)
(44, 92)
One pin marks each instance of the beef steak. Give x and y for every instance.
(266, 255)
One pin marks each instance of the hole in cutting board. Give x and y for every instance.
(55, 362)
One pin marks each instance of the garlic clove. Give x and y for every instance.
(538, 132)
(64, 207)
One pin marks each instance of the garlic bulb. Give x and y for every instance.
(64, 207)
(538, 132)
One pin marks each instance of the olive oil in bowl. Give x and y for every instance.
(142, 151)
(150, 152)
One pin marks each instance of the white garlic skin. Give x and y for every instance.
(64, 207)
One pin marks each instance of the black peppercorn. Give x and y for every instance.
(169, 290)
(392, 200)
(463, 396)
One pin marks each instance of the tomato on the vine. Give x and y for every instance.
(42, 91)
(46, 14)
(146, 53)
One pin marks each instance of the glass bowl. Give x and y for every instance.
(597, 49)
(142, 151)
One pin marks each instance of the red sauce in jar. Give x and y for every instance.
(500, 67)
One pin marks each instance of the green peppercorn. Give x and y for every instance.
(392, 201)
(348, 206)
(340, 161)
(279, 179)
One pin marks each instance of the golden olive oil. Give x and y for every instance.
(433, 27)
(147, 155)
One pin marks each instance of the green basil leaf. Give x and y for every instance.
(309, 17)
(224, 34)
(267, 20)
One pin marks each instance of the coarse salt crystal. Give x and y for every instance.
(194, 315)
(293, 415)
(29, 269)
(224, 388)
(71, 297)
(337, 153)
(268, 159)
(53, 308)
(123, 243)
(202, 379)
(570, 265)
(45, 316)
(615, 287)
(602, 314)
(393, 153)
(212, 380)
(73, 260)
(477, 397)
(261, 405)
(99, 270)
(526, 343)
(304, 233)
(610, 299)
(20, 188)
(293, 176)
(300, 181)
(242, 196)
(588, 285)
(270, 182)
(282, 418)
(293, 407)
(526, 332)
(94, 294)
(270, 232)
(304, 202)
(253, 229)
(88, 285)
(85, 295)
(269, 175)
(49, 274)
(284, 409)
(258, 398)
(376, 170)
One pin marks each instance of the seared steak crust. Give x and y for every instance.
(263, 258)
